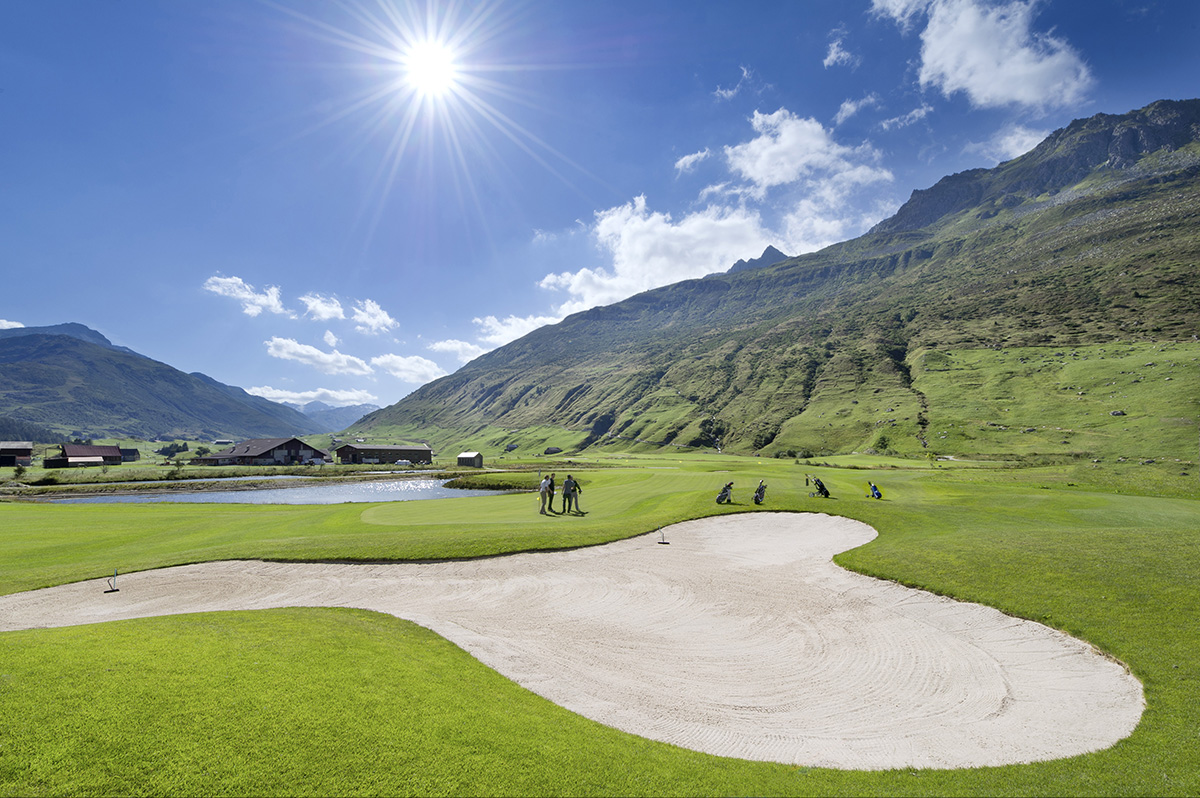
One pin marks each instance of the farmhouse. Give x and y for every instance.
(473, 459)
(359, 453)
(75, 455)
(264, 451)
(16, 453)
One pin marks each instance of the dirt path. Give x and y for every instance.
(739, 638)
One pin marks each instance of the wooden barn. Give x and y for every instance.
(16, 453)
(371, 454)
(265, 451)
(79, 455)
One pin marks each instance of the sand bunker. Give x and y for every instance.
(739, 638)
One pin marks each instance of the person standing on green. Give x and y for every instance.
(544, 492)
(569, 487)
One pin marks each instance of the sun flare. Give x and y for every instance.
(442, 90)
(430, 68)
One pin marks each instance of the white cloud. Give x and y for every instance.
(790, 149)
(372, 319)
(650, 249)
(729, 94)
(253, 302)
(990, 52)
(464, 351)
(331, 340)
(837, 55)
(1009, 143)
(688, 162)
(718, 190)
(410, 369)
(851, 107)
(9, 325)
(817, 221)
(647, 249)
(812, 227)
(322, 308)
(915, 115)
(326, 362)
(337, 398)
(498, 332)
(902, 11)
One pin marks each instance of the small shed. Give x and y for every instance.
(471, 459)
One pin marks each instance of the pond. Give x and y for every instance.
(400, 490)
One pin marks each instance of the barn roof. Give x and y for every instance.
(86, 450)
(256, 447)
(386, 447)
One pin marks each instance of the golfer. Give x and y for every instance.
(544, 492)
(569, 485)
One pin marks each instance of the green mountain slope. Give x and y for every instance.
(1082, 253)
(82, 384)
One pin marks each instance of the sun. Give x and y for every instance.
(430, 68)
(441, 86)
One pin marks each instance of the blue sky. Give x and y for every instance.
(274, 194)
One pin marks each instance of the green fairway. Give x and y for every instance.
(319, 701)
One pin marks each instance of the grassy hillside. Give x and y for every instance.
(830, 351)
(1135, 401)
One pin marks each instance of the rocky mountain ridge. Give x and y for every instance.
(769, 257)
(1066, 157)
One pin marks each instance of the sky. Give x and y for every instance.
(342, 200)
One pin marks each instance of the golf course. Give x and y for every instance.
(314, 699)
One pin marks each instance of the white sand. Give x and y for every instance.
(739, 638)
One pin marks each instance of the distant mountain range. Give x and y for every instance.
(330, 418)
(74, 381)
(918, 337)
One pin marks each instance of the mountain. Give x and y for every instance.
(330, 418)
(1045, 307)
(769, 257)
(73, 380)
(72, 329)
(1110, 147)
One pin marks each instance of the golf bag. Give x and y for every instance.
(875, 494)
(726, 495)
(821, 491)
(760, 492)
